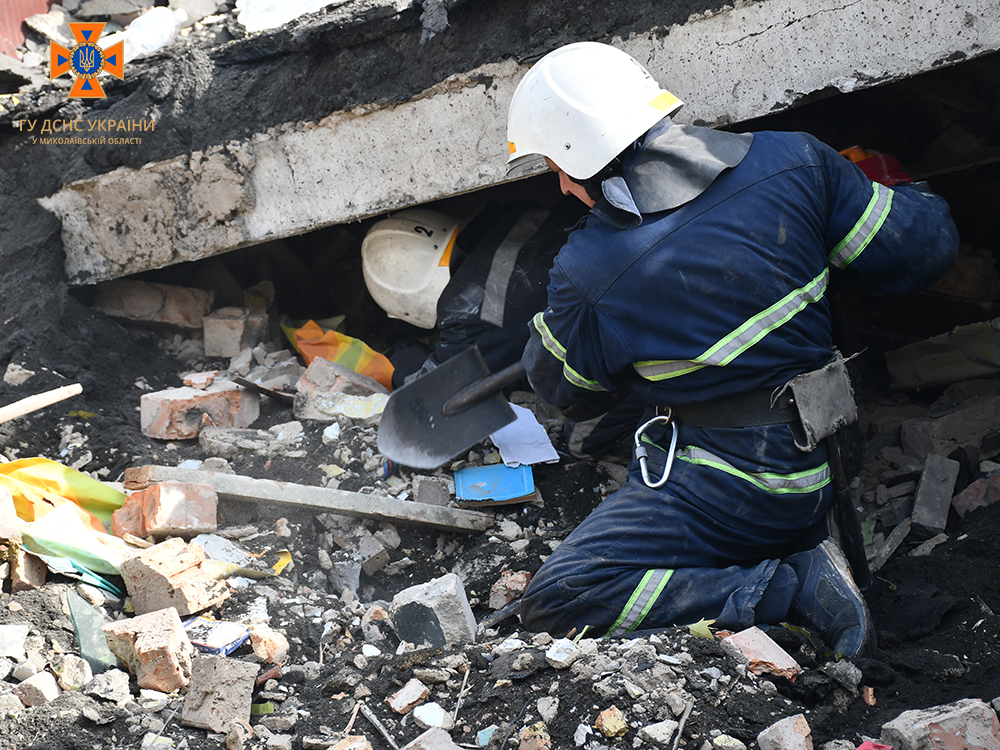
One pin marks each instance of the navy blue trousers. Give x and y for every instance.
(707, 544)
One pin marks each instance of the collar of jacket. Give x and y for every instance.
(673, 164)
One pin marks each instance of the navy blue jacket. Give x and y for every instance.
(726, 292)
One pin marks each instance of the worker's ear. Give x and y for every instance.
(877, 166)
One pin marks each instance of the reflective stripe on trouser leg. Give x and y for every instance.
(639, 604)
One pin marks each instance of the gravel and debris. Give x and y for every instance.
(346, 668)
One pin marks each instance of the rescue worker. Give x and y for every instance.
(698, 281)
(478, 282)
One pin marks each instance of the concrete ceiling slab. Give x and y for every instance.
(729, 65)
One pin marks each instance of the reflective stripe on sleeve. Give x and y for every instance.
(557, 350)
(642, 599)
(777, 484)
(867, 227)
(738, 341)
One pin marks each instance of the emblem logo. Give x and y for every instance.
(87, 60)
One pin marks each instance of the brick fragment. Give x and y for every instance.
(180, 413)
(154, 303)
(219, 693)
(154, 647)
(761, 654)
(984, 491)
(28, 572)
(933, 499)
(200, 380)
(168, 509)
(510, 586)
(791, 733)
(170, 574)
(413, 693)
(967, 723)
(38, 689)
(230, 330)
(269, 644)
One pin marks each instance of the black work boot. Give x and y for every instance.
(828, 601)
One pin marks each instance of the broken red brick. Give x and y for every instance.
(274, 673)
(762, 655)
(984, 491)
(270, 645)
(180, 413)
(170, 574)
(200, 380)
(154, 647)
(230, 330)
(168, 509)
(154, 303)
(510, 586)
(413, 693)
(791, 733)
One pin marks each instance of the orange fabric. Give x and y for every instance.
(312, 341)
(39, 485)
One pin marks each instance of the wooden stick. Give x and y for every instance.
(323, 499)
(38, 401)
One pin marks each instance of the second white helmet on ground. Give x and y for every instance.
(405, 261)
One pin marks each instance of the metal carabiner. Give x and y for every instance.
(641, 454)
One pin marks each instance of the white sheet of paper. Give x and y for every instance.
(524, 441)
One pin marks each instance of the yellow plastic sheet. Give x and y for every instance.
(39, 486)
(312, 340)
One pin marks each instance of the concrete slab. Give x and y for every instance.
(292, 178)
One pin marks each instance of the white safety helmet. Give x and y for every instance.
(580, 106)
(405, 260)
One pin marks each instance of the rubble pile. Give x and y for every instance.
(272, 581)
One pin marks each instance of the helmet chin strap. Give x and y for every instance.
(593, 184)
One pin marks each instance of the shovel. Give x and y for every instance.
(446, 411)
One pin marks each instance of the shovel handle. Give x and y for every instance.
(482, 390)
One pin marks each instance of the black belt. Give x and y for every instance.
(749, 409)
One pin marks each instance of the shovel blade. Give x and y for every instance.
(413, 429)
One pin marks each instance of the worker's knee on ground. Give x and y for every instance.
(540, 605)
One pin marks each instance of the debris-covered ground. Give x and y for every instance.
(934, 613)
(345, 673)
